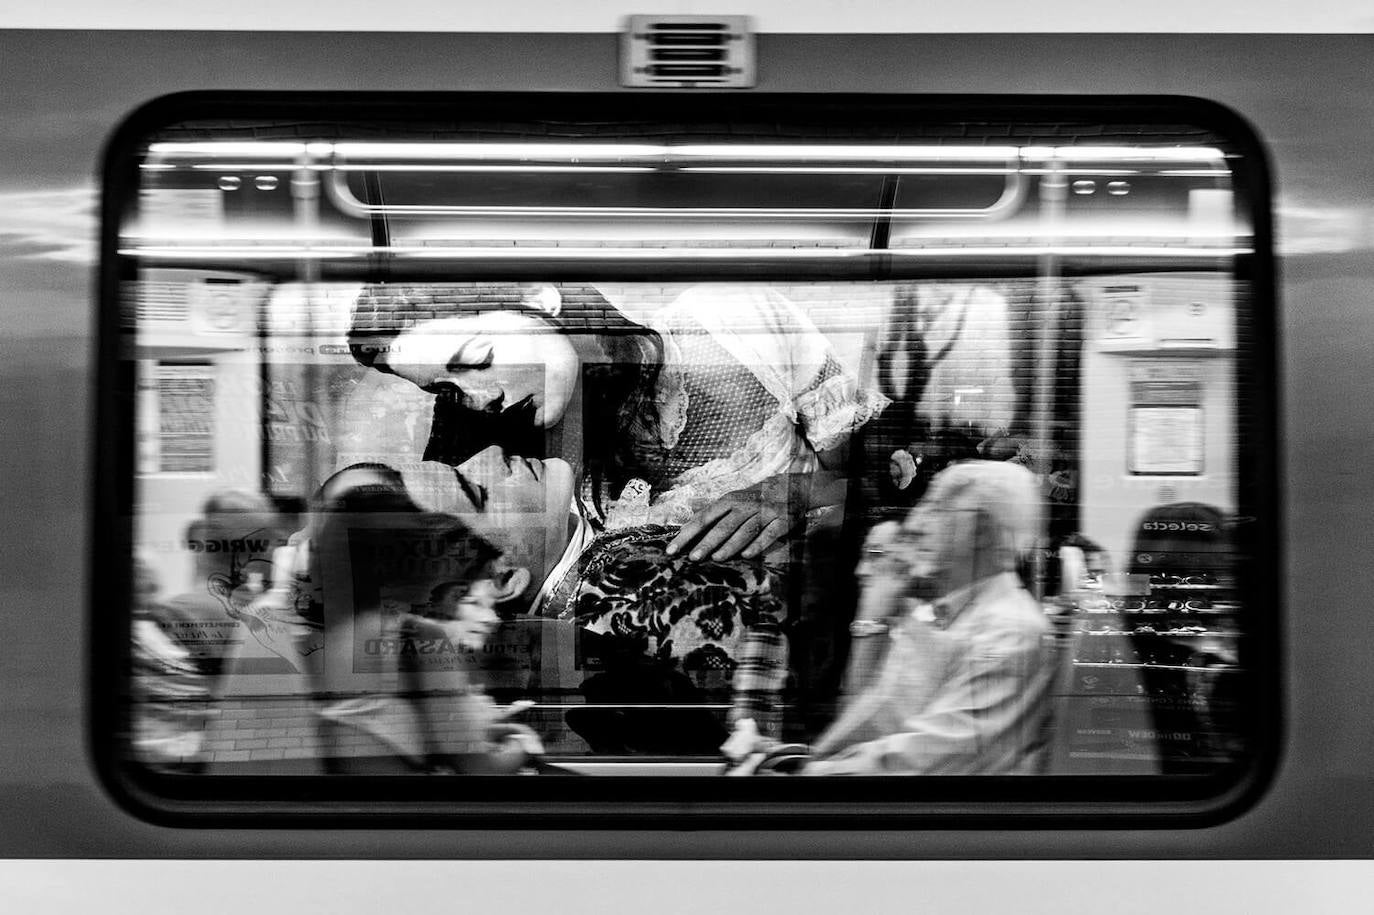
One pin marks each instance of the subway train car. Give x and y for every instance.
(686, 436)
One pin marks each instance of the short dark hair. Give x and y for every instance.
(233, 514)
(384, 512)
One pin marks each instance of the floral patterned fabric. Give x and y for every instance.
(692, 616)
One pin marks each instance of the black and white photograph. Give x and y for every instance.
(690, 434)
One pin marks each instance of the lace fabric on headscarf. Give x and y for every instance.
(792, 397)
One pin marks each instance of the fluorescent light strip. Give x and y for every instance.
(666, 213)
(1080, 251)
(901, 242)
(575, 151)
(844, 170)
(823, 152)
(621, 151)
(1083, 231)
(812, 253)
(254, 167)
(1118, 172)
(271, 149)
(493, 168)
(249, 167)
(249, 253)
(705, 169)
(497, 150)
(601, 254)
(241, 239)
(1123, 153)
(1194, 173)
(954, 170)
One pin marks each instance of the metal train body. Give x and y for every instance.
(1309, 99)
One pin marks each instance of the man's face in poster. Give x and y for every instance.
(520, 504)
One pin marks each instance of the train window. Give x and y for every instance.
(723, 461)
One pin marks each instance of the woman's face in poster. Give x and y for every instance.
(493, 362)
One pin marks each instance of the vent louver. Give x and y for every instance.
(686, 52)
(157, 303)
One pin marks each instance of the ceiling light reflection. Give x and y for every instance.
(581, 152)
(265, 252)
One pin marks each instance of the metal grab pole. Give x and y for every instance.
(305, 199)
(1053, 195)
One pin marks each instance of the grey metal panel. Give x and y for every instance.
(1310, 98)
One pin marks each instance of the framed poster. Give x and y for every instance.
(1166, 440)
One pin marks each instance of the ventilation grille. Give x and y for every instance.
(200, 302)
(157, 303)
(687, 52)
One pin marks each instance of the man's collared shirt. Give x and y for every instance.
(964, 692)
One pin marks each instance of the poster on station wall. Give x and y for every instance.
(178, 434)
(1166, 440)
